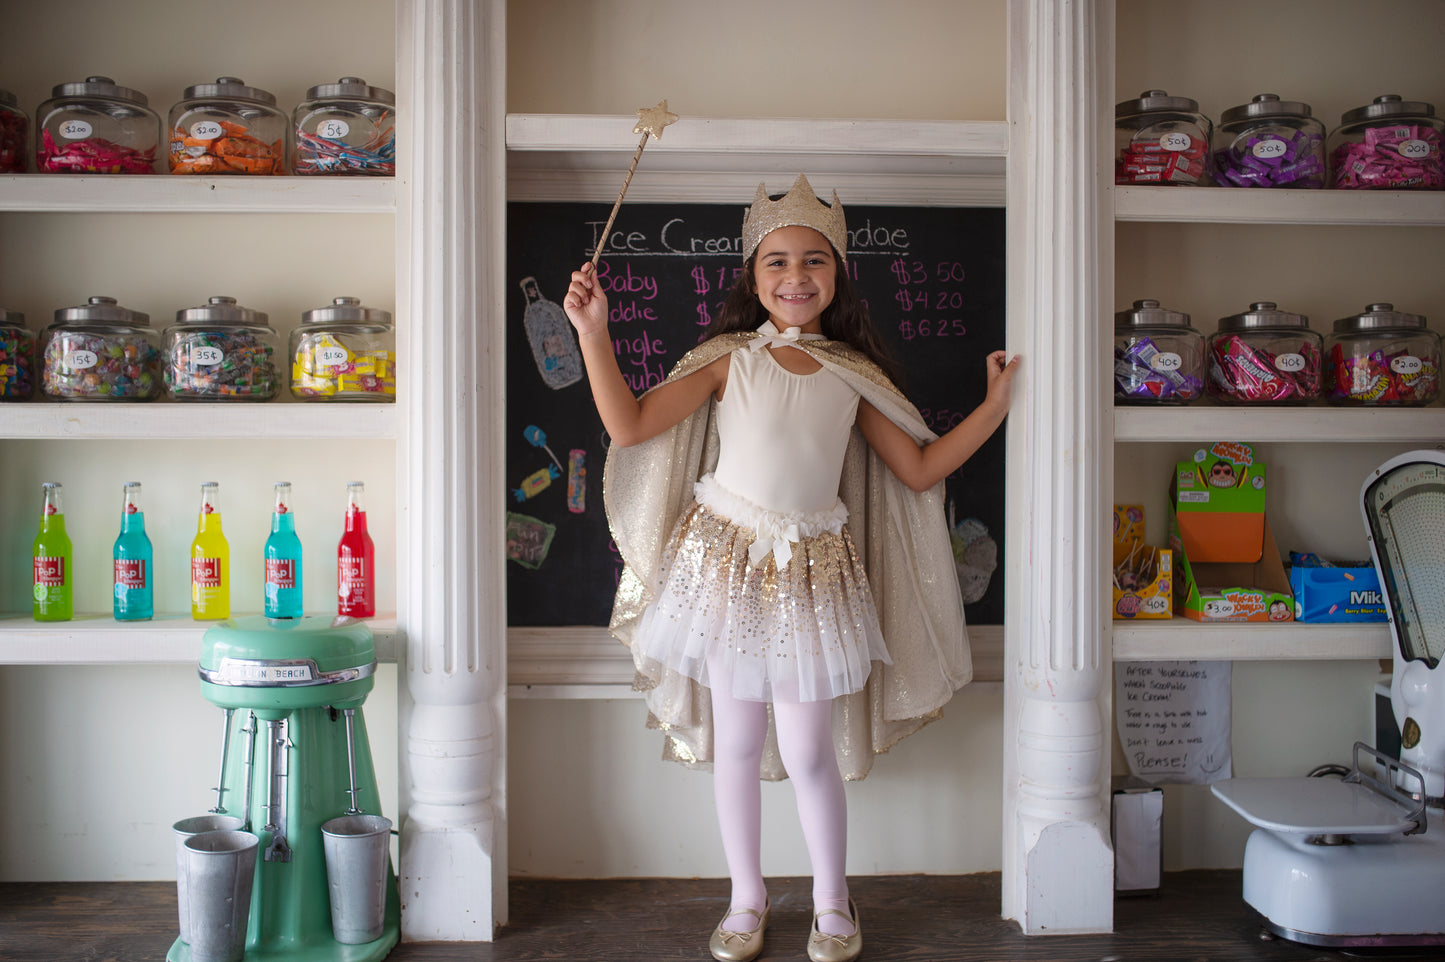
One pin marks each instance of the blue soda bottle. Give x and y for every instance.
(134, 594)
(283, 559)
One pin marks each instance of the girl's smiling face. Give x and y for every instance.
(794, 276)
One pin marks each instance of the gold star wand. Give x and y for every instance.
(650, 121)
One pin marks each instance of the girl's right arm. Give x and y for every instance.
(628, 419)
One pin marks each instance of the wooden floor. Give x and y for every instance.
(1198, 917)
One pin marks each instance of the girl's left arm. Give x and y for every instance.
(921, 466)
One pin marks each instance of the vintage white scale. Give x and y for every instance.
(1361, 861)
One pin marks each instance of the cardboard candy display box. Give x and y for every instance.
(1153, 597)
(1226, 564)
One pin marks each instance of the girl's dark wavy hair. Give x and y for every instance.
(846, 319)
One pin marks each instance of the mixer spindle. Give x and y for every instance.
(220, 789)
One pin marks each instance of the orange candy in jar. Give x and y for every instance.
(227, 127)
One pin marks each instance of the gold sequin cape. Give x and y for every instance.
(901, 533)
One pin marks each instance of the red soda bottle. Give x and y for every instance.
(355, 567)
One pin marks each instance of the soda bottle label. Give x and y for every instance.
(49, 572)
(281, 572)
(130, 574)
(206, 572)
(353, 580)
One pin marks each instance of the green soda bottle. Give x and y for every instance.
(52, 580)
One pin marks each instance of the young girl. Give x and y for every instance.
(732, 490)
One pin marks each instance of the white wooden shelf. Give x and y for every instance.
(587, 662)
(175, 194)
(581, 157)
(166, 421)
(1182, 638)
(1314, 423)
(168, 639)
(1222, 205)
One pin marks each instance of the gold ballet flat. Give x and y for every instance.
(823, 947)
(730, 946)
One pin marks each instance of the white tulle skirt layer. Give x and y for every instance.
(803, 629)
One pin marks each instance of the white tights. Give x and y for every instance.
(805, 741)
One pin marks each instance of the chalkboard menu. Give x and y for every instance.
(933, 278)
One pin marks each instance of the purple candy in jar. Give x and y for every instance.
(1158, 357)
(1269, 142)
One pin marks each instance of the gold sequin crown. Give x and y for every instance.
(798, 207)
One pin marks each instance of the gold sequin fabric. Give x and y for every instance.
(805, 631)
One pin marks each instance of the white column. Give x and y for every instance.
(1057, 859)
(450, 227)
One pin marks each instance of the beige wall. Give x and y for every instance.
(914, 59)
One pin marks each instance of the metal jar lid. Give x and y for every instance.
(1387, 106)
(347, 310)
(11, 318)
(1148, 313)
(1262, 314)
(102, 309)
(1156, 100)
(1265, 106)
(221, 310)
(7, 98)
(229, 88)
(1379, 317)
(350, 88)
(99, 87)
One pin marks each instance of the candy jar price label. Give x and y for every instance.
(206, 130)
(1406, 364)
(1166, 361)
(333, 356)
(80, 360)
(75, 130)
(1156, 605)
(1268, 149)
(333, 129)
(207, 356)
(1175, 141)
(1415, 149)
(1290, 363)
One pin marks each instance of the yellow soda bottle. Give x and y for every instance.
(210, 561)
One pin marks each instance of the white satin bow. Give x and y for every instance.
(779, 543)
(772, 337)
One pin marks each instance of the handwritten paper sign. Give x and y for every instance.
(1173, 719)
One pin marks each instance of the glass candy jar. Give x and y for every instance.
(1383, 357)
(1269, 142)
(17, 357)
(220, 351)
(100, 351)
(346, 128)
(1264, 356)
(1391, 144)
(1159, 139)
(14, 134)
(96, 127)
(1158, 357)
(344, 352)
(227, 127)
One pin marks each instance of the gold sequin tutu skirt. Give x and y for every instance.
(780, 604)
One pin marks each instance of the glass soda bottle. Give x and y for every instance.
(53, 579)
(210, 561)
(134, 594)
(355, 568)
(283, 559)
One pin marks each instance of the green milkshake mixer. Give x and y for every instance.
(294, 756)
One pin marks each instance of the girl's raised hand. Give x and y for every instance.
(585, 304)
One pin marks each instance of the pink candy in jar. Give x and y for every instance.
(1264, 356)
(1390, 144)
